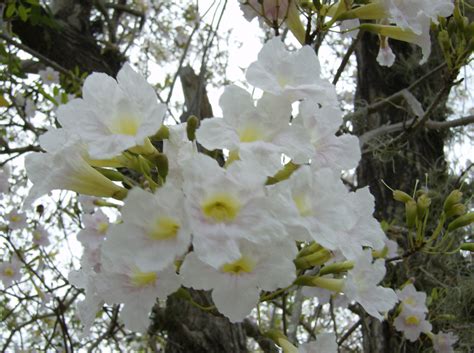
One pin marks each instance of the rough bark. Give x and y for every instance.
(410, 158)
(70, 42)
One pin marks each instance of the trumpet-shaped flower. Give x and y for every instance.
(362, 286)
(264, 127)
(154, 226)
(412, 323)
(10, 271)
(95, 227)
(314, 205)
(67, 169)
(114, 116)
(16, 220)
(40, 236)
(294, 75)
(410, 297)
(236, 285)
(225, 206)
(443, 342)
(417, 15)
(123, 281)
(335, 152)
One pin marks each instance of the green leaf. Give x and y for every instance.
(23, 13)
(11, 10)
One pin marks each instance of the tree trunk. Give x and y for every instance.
(402, 162)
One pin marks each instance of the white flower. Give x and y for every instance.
(236, 285)
(95, 228)
(410, 297)
(10, 271)
(87, 203)
(272, 10)
(16, 220)
(385, 57)
(295, 75)
(49, 75)
(114, 116)
(154, 226)
(177, 149)
(412, 323)
(361, 286)
(265, 127)
(417, 15)
(66, 169)
(335, 152)
(123, 281)
(225, 206)
(4, 176)
(87, 308)
(325, 343)
(443, 342)
(40, 236)
(314, 205)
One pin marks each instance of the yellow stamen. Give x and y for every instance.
(102, 227)
(125, 126)
(9, 272)
(143, 279)
(164, 228)
(250, 134)
(303, 205)
(221, 207)
(242, 265)
(412, 320)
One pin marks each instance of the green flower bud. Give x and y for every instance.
(401, 196)
(161, 162)
(316, 259)
(410, 213)
(162, 134)
(337, 267)
(453, 198)
(422, 204)
(461, 221)
(191, 127)
(468, 247)
(456, 210)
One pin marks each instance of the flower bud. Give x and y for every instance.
(316, 259)
(468, 247)
(337, 267)
(410, 213)
(161, 162)
(162, 134)
(422, 205)
(462, 221)
(401, 196)
(457, 210)
(453, 198)
(191, 127)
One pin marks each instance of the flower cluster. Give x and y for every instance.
(273, 208)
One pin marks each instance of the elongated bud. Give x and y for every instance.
(337, 267)
(456, 210)
(468, 247)
(422, 204)
(191, 126)
(309, 249)
(161, 162)
(332, 284)
(281, 340)
(401, 196)
(410, 213)
(462, 221)
(162, 134)
(111, 174)
(453, 198)
(316, 259)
